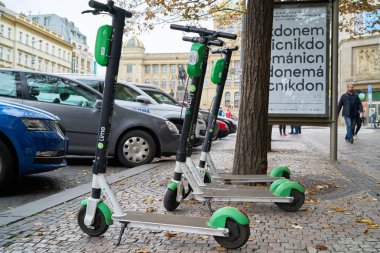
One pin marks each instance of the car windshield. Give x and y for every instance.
(161, 97)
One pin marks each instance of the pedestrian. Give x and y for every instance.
(298, 129)
(282, 130)
(352, 106)
(293, 129)
(228, 113)
(220, 112)
(373, 119)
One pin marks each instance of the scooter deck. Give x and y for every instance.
(228, 178)
(254, 194)
(222, 186)
(178, 223)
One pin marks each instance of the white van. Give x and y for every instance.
(131, 96)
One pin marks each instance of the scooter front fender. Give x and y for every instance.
(104, 209)
(219, 218)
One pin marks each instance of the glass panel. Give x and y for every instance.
(9, 82)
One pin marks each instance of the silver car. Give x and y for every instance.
(136, 137)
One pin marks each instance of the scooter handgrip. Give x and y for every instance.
(179, 27)
(128, 14)
(218, 43)
(98, 6)
(227, 35)
(190, 39)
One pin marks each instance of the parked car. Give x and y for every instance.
(136, 137)
(232, 126)
(31, 141)
(223, 129)
(131, 96)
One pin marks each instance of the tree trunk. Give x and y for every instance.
(252, 137)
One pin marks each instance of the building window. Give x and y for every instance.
(164, 68)
(236, 99)
(227, 99)
(173, 68)
(129, 79)
(26, 60)
(59, 53)
(35, 19)
(27, 39)
(19, 58)
(228, 80)
(239, 27)
(237, 78)
(155, 68)
(129, 68)
(147, 69)
(20, 37)
(1, 30)
(47, 47)
(8, 55)
(46, 21)
(163, 84)
(9, 32)
(172, 83)
(53, 50)
(155, 81)
(147, 81)
(1, 53)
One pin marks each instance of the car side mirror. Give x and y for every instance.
(142, 99)
(98, 104)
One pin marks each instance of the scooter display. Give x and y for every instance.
(187, 178)
(229, 226)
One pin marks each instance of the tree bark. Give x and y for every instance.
(252, 137)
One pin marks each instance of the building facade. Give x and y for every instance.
(82, 59)
(28, 45)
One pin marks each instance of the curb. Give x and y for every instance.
(32, 208)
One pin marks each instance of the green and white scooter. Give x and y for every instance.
(229, 226)
(206, 166)
(287, 195)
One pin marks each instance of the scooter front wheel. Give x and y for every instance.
(298, 200)
(99, 226)
(238, 235)
(170, 200)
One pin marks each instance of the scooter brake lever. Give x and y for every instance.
(94, 12)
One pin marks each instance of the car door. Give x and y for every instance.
(73, 103)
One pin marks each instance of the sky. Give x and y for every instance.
(88, 24)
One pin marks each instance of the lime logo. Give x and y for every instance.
(362, 96)
(211, 130)
(192, 88)
(193, 58)
(100, 145)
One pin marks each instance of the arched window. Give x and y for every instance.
(155, 81)
(147, 81)
(163, 84)
(236, 99)
(227, 99)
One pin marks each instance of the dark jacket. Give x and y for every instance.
(345, 102)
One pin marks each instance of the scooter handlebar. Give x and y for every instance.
(107, 8)
(222, 50)
(218, 43)
(203, 31)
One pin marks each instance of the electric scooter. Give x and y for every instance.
(229, 226)
(287, 195)
(218, 77)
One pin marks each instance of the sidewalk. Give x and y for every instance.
(341, 213)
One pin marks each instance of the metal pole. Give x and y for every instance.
(334, 82)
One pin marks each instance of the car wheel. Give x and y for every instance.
(136, 148)
(6, 167)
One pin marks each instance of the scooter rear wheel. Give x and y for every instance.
(298, 200)
(98, 228)
(237, 237)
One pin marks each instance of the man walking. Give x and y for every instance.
(352, 107)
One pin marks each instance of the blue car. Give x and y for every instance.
(31, 141)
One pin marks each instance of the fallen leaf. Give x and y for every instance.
(303, 209)
(39, 234)
(369, 222)
(148, 200)
(250, 226)
(319, 187)
(366, 232)
(203, 237)
(373, 226)
(312, 200)
(220, 248)
(321, 246)
(191, 202)
(338, 209)
(38, 224)
(327, 226)
(70, 212)
(296, 227)
(250, 239)
(171, 234)
(150, 209)
(142, 251)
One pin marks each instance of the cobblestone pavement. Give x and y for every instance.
(339, 215)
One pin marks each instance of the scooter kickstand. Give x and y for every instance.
(208, 202)
(123, 226)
